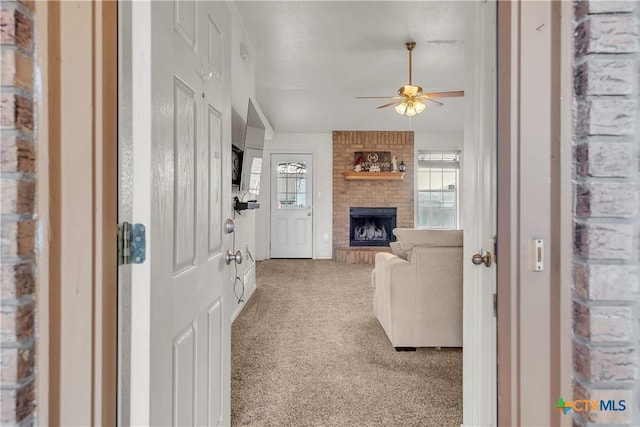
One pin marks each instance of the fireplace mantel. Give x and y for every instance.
(374, 175)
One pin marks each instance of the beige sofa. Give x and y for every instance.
(418, 300)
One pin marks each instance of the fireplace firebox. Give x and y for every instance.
(372, 226)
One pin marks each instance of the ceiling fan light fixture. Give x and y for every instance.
(401, 108)
(410, 108)
(410, 90)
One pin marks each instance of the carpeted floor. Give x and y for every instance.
(307, 351)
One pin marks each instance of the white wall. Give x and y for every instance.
(243, 73)
(321, 147)
(438, 141)
(242, 88)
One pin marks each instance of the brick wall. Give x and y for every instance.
(17, 186)
(606, 221)
(360, 193)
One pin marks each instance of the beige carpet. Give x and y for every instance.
(307, 351)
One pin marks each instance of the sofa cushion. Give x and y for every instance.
(398, 250)
(411, 237)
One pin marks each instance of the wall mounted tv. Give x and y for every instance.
(248, 144)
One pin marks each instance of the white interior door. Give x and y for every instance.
(180, 110)
(479, 174)
(291, 206)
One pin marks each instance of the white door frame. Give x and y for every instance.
(534, 201)
(135, 125)
(535, 198)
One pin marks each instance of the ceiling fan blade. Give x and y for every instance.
(445, 41)
(390, 104)
(431, 103)
(377, 97)
(451, 94)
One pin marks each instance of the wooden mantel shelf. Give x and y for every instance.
(374, 175)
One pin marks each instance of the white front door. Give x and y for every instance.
(479, 219)
(291, 206)
(179, 77)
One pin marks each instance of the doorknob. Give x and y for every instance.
(308, 213)
(483, 257)
(230, 257)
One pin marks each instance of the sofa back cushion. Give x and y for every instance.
(411, 237)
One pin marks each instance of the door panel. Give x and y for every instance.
(185, 21)
(300, 233)
(281, 231)
(215, 47)
(185, 148)
(291, 206)
(214, 146)
(215, 368)
(184, 373)
(184, 208)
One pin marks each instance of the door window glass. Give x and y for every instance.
(291, 185)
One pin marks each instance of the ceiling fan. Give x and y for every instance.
(411, 100)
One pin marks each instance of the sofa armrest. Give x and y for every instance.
(390, 268)
(395, 279)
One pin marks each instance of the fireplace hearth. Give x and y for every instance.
(372, 226)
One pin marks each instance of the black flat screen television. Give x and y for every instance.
(236, 166)
(247, 151)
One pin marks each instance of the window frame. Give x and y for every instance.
(440, 161)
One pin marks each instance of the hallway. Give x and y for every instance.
(307, 351)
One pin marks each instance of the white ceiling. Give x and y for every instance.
(314, 57)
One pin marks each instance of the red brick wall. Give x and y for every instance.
(17, 209)
(378, 193)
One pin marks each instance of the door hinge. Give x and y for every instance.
(131, 243)
(495, 305)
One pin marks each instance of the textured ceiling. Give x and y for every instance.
(314, 57)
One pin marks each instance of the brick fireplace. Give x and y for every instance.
(364, 193)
